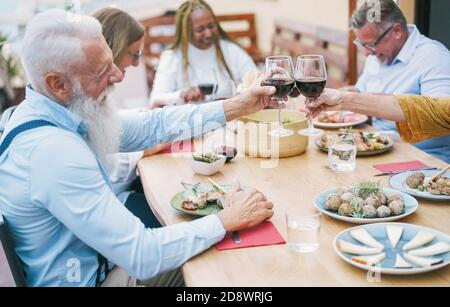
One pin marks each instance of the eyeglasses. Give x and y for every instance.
(136, 55)
(373, 46)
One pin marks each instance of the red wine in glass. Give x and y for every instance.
(279, 73)
(283, 86)
(311, 87)
(206, 88)
(310, 79)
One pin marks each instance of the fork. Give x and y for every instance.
(439, 174)
(200, 187)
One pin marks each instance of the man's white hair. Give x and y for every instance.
(53, 43)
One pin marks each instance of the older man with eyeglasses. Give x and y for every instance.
(400, 60)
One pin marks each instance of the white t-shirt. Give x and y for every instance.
(170, 79)
(122, 172)
(122, 169)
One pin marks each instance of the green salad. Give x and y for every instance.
(207, 157)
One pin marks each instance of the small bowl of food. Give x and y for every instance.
(228, 151)
(207, 163)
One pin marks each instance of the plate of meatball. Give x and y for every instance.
(367, 202)
(419, 184)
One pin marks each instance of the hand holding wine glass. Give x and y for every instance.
(329, 100)
(310, 78)
(279, 73)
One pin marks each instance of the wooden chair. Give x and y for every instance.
(247, 37)
(160, 30)
(11, 270)
(297, 38)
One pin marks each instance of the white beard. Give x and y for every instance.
(102, 120)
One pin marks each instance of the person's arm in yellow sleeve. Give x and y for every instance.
(418, 118)
(425, 117)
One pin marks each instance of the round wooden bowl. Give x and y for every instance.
(254, 139)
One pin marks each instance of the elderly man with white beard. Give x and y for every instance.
(68, 226)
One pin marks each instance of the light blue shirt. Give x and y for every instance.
(58, 202)
(422, 67)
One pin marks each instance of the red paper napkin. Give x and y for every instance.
(177, 147)
(400, 166)
(261, 235)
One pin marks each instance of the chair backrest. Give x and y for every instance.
(297, 38)
(242, 29)
(160, 31)
(12, 273)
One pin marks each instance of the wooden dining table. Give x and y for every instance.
(292, 183)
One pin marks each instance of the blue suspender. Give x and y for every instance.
(22, 128)
(103, 262)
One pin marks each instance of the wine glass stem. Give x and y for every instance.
(310, 122)
(279, 116)
(310, 125)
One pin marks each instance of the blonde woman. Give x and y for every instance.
(125, 37)
(200, 45)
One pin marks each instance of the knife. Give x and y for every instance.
(236, 237)
(395, 173)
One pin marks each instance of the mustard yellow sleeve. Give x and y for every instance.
(426, 117)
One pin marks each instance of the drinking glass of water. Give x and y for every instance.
(342, 155)
(302, 231)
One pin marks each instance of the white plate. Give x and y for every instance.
(411, 205)
(378, 232)
(399, 182)
(361, 119)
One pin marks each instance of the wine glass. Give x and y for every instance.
(206, 80)
(279, 73)
(310, 78)
(226, 88)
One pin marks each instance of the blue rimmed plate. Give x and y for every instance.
(399, 182)
(411, 205)
(387, 266)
